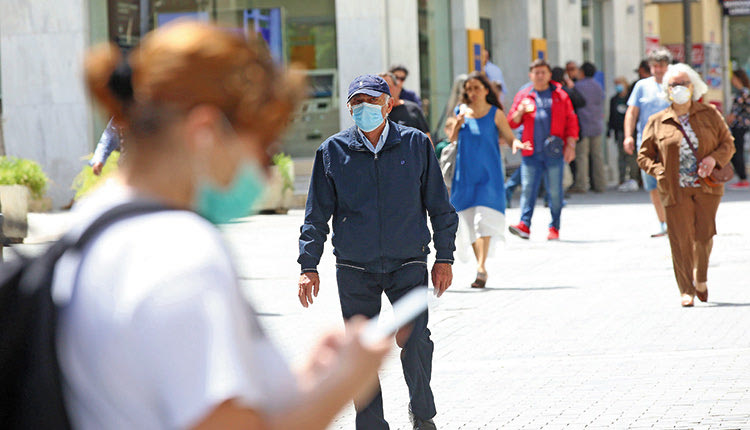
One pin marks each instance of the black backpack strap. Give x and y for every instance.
(39, 402)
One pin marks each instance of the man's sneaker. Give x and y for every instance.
(628, 186)
(420, 424)
(521, 230)
(739, 185)
(663, 231)
(554, 234)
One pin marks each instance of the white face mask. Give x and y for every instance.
(680, 95)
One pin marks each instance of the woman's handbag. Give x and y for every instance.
(719, 175)
(448, 163)
(553, 147)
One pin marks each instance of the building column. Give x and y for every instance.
(362, 45)
(464, 16)
(45, 111)
(403, 38)
(372, 36)
(563, 19)
(515, 23)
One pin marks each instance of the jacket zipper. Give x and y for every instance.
(377, 199)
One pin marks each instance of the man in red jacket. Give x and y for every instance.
(551, 125)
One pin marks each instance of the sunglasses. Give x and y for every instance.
(400, 78)
(679, 84)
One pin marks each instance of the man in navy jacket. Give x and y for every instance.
(378, 180)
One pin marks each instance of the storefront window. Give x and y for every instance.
(436, 75)
(299, 32)
(739, 28)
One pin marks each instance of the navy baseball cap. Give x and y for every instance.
(372, 85)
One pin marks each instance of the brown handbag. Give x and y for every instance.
(719, 175)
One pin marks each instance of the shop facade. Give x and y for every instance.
(47, 116)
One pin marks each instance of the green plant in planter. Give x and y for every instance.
(85, 181)
(284, 163)
(20, 171)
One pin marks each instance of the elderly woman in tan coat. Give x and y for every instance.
(681, 171)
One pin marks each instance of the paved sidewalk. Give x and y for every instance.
(584, 333)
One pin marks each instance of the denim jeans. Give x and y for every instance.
(533, 169)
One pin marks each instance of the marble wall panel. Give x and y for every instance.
(46, 114)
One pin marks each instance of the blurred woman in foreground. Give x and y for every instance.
(156, 333)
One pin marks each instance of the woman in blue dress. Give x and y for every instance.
(478, 191)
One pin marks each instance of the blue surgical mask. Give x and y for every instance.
(219, 205)
(367, 116)
(619, 88)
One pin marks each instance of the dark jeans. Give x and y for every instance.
(738, 159)
(359, 293)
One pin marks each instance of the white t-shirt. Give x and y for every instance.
(156, 333)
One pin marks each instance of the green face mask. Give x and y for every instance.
(222, 205)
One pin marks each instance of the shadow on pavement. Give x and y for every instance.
(723, 305)
(480, 290)
(586, 241)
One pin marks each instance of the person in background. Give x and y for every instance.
(572, 72)
(401, 73)
(153, 329)
(379, 180)
(477, 191)
(626, 163)
(493, 73)
(739, 122)
(111, 139)
(681, 146)
(646, 100)
(450, 123)
(567, 85)
(589, 150)
(405, 112)
(550, 124)
(644, 71)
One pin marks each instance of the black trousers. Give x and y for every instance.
(738, 159)
(360, 294)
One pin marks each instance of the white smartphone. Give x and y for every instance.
(405, 310)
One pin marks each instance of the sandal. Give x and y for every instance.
(481, 280)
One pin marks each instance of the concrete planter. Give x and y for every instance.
(277, 199)
(14, 203)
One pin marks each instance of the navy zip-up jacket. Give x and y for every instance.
(378, 203)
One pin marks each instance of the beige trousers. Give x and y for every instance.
(585, 148)
(691, 225)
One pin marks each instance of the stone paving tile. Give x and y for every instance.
(583, 333)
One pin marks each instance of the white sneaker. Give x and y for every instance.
(628, 186)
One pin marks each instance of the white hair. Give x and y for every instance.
(699, 87)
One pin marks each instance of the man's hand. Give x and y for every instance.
(629, 145)
(569, 153)
(97, 168)
(309, 284)
(442, 276)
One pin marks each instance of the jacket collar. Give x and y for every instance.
(695, 107)
(355, 139)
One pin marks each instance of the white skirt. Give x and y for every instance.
(476, 222)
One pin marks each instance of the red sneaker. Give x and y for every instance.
(739, 185)
(554, 234)
(521, 230)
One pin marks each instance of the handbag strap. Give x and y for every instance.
(690, 143)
